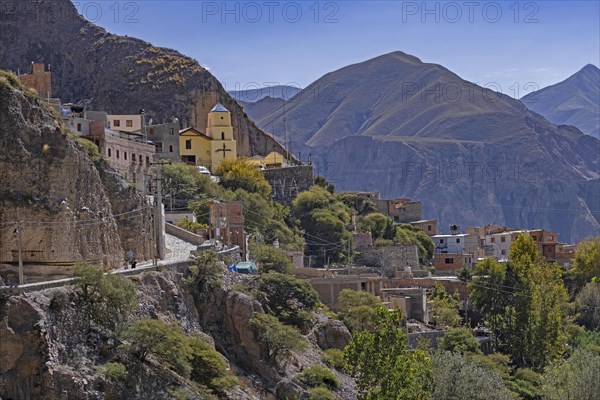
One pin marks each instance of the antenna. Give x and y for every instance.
(287, 150)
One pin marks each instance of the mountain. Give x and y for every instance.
(118, 74)
(574, 101)
(264, 106)
(284, 92)
(403, 127)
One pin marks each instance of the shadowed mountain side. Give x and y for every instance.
(116, 73)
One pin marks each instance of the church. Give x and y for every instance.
(197, 148)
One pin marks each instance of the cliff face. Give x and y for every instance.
(118, 74)
(50, 350)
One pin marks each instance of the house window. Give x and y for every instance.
(116, 122)
(188, 144)
(221, 117)
(158, 147)
(118, 154)
(147, 161)
(458, 240)
(503, 252)
(550, 237)
(152, 131)
(170, 148)
(125, 155)
(133, 158)
(129, 123)
(441, 241)
(449, 261)
(171, 131)
(493, 240)
(141, 158)
(428, 227)
(222, 135)
(78, 127)
(503, 239)
(110, 152)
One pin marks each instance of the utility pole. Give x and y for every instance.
(228, 228)
(160, 237)
(20, 244)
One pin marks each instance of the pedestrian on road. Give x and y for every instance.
(133, 263)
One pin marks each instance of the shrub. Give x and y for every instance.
(109, 298)
(317, 375)
(334, 358)
(191, 226)
(288, 298)
(357, 309)
(459, 340)
(115, 370)
(272, 259)
(89, 146)
(320, 393)
(277, 339)
(206, 275)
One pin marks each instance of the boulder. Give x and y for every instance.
(332, 334)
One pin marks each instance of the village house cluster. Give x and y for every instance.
(131, 145)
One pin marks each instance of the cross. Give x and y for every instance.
(224, 149)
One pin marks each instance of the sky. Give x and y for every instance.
(510, 46)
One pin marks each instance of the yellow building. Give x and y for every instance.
(197, 148)
(271, 160)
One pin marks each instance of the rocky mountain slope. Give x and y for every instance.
(403, 127)
(116, 73)
(51, 349)
(54, 197)
(574, 101)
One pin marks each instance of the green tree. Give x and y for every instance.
(408, 234)
(489, 296)
(271, 259)
(239, 173)
(588, 305)
(359, 204)
(288, 298)
(357, 309)
(455, 377)
(206, 274)
(278, 340)
(459, 340)
(183, 183)
(382, 366)
(586, 263)
(576, 378)
(380, 226)
(322, 182)
(444, 307)
(108, 298)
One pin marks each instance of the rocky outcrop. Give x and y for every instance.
(50, 349)
(118, 74)
(332, 334)
(52, 199)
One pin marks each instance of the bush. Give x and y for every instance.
(357, 309)
(459, 340)
(271, 259)
(206, 275)
(334, 358)
(115, 370)
(278, 340)
(191, 226)
(317, 375)
(109, 298)
(320, 393)
(190, 356)
(288, 298)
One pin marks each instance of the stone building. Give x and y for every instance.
(429, 226)
(287, 182)
(401, 211)
(38, 79)
(166, 140)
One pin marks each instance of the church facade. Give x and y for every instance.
(210, 148)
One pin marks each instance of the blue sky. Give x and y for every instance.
(515, 46)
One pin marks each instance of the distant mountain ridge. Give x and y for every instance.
(407, 128)
(118, 74)
(574, 101)
(251, 95)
